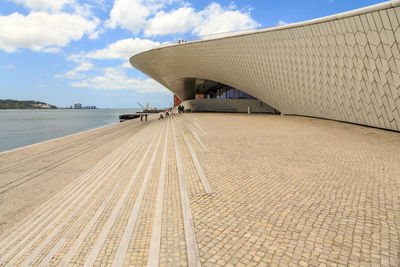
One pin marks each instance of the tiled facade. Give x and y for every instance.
(343, 67)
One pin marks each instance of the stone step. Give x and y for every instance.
(62, 195)
(196, 137)
(193, 258)
(153, 254)
(62, 211)
(184, 127)
(66, 188)
(75, 140)
(89, 221)
(101, 244)
(191, 177)
(117, 153)
(132, 208)
(193, 168)
(172, 243)
(22, 171)
(135, 238)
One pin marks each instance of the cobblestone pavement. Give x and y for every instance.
(224, 190)
(30, 175)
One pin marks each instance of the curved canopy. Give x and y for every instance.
(343, 67)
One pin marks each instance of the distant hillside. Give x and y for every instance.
(15, 104)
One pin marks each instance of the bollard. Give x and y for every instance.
(248, 110)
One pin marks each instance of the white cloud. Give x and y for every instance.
(123, 49)
(216, 19)
(178, 21)
(213, 19)
(95, 34)
(40, 85)
(48, 5)
(84, 66)
(77, 58)
(52, 6)
(111, 78)
(40, 31)
(101, 4)
(10, 66)
(76, 74)
(113, 94)
(52, 50)
(71, 75)
(126, 65)
(282, 22)
(116, 79)
(131, 14)
(137, 15)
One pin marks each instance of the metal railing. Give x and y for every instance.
(212, 36)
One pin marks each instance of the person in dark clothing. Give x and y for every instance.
(145, 117)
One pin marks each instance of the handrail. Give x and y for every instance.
(212, 36)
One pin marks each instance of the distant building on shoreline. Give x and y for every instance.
(79, 106)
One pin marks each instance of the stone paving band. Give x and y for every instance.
(284, 190)
(73, 214)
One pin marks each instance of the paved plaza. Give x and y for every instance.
(205, 189)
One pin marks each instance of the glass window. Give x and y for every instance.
(223, 93)
(226, 92)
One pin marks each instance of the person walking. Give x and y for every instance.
(145, 117)
(141, 117)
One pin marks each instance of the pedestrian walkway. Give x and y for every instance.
(120, 211)
(216, 190)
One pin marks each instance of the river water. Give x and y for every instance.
(24, 127)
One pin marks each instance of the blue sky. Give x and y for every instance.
(76, 51)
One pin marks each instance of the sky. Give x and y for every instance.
(76, 51)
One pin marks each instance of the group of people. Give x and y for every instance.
(161, 115)
(143, 115)
(180, 108)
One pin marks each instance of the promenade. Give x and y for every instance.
(205, 189)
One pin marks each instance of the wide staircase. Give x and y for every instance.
(132, 208)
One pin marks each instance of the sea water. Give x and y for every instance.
(25, 127)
